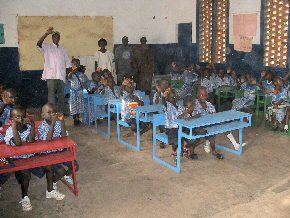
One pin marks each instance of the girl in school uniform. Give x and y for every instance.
(278, 108)
(77, 79)
(249, 97)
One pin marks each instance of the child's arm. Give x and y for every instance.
(32, 133)
(135, 98)
(51, 129)
(16, 136)
(60, 116)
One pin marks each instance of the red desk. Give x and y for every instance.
(69, 155)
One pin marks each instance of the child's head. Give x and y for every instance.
(252, 79)
(202, 94)
(233, 74)
(128, 85)
(269, 76)
(243, 78)
(102, 43)
(48, 111)
(164, 84)
(170, 95)
(96, 76)
(9, 96)
(18, 115)
(75, 63)
(189, 103)
(221, 73)
(278, 82)
(206, 73)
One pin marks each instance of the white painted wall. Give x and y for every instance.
(133, 18)
(244, 7)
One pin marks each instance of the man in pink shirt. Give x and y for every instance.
(55, 63)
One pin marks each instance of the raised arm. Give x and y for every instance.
(48, 32)
(60, 116)
(16, 136)
(51, 129)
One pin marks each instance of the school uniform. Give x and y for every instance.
(280, 112)
(189, 78)
(268, 85)
(218, 82)
(248, 99)
(111, 94)
(171, 128)
(77, 80)
(200, 110)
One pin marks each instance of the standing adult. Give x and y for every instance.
(144, 64)
(55, 63)
(105, 58)
(123, 60)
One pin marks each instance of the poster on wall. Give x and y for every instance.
(79, 36)
(244, 29)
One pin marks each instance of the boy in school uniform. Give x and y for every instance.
(53, 126)
(161, 87)
(203, 107)
(23, 130)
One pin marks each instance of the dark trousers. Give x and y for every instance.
(56, 86)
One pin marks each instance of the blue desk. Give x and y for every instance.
(214, 124)
(142, 114)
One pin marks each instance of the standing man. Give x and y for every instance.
(144, 64)
(55, 63)
(123, 60)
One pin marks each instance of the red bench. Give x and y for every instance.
(69, 155)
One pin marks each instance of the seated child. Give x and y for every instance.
(110, 91)
(222, 79)
(203, 107)
(278, 108)
(78, 80)
(94, 85)
(249, 97)
(53, 126)
(189, 113)
(267, 82)
(130, 97)
(233, 77)
(189, 76)
(208, 81)
(23, 130)
(160, 87)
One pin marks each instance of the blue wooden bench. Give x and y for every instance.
(214, 124)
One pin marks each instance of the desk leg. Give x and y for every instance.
(138, 131)
(89, 111)
(75, 179)
(109, 120)
(179, 149)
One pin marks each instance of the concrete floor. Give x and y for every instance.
(115, 181)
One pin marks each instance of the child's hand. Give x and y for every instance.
(27, 121)
(158, 88)
(60, 116)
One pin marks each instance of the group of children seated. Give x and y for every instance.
(21, 130)
(213, 79)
